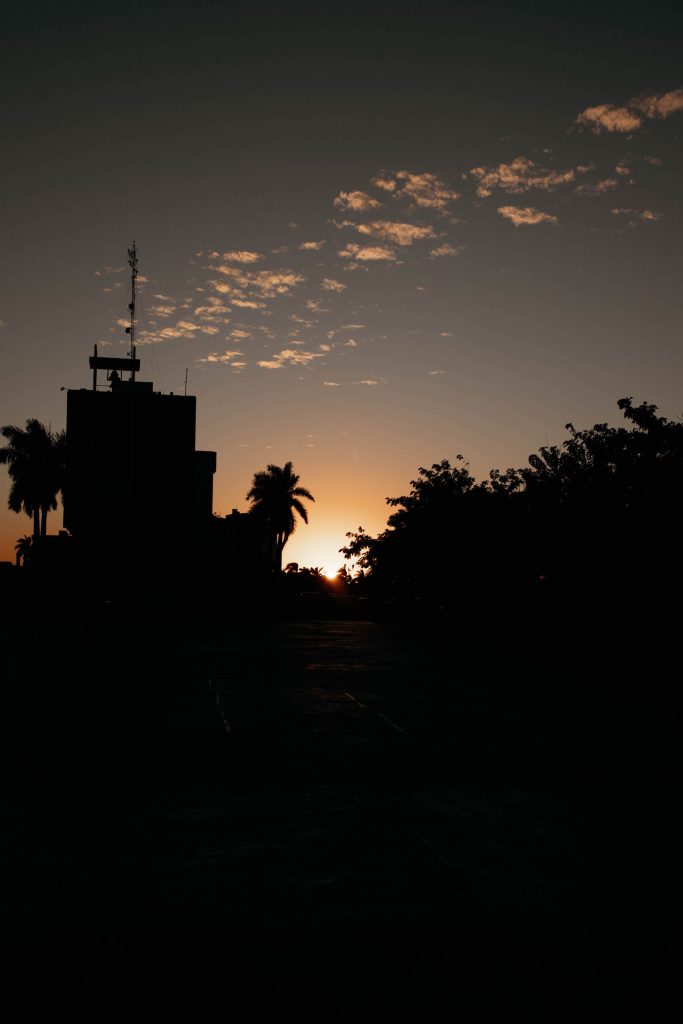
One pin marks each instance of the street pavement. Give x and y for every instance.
(333, 819)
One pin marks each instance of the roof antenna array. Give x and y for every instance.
(133, 264)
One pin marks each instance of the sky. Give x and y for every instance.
(376, 236)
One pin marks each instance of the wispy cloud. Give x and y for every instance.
(607, 118)
(359, 202)
(520, 175)
(525, 215)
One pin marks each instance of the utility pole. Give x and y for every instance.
(133, 264)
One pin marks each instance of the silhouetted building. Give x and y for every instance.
(132, 468)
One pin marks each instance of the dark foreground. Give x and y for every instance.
(331, 820)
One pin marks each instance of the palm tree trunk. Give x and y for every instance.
(43, 521)
(36, 522)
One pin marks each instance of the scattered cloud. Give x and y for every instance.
(359, 202)
(109, 270)
(242, 256)
(368, 253)
(659, 105)
(289, 357)
(520, 215)
(446, 250)
(368, 381)
(214, 310)
(384, 182)
(264, 284)
(607, 118)
(351, 343)
(435, 373)
(393, 231)
(162, 311)
(225, 357)
(330, 384)
(637, 216)
(311, 246)
(520, 175)
(598, 188)
(329, 285)
(425, 190)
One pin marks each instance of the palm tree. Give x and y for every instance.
(274, 496)
(23, 549)
(35, 459)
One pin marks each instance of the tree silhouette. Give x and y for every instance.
(275, 497)
(23, 549)
(35, 460)
(598, 511)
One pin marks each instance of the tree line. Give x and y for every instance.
(600, 512)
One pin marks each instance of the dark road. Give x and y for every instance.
(319, 816)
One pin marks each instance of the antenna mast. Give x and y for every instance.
(133, 264)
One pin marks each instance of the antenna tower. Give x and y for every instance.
(133, 264)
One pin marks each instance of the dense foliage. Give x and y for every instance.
(600, 510)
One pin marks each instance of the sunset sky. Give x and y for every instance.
(376, 235)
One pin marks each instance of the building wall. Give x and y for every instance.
(131, 464)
